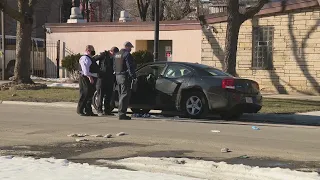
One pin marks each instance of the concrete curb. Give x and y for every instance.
(292, 119)
(310, 119)
(53, 104)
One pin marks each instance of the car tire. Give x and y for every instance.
(195, 105)
(140, 111)
(95, 103)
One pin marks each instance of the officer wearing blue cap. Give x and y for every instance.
(125, 74)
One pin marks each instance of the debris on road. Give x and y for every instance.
(81, 140)
(72, 135)
(225, 150)
(255, 128)
(244, 157)
(215, 131)
(122, 134)
(179, 161)
(77, 135)
(108, 136)
(97, 135)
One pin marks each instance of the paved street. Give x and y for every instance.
(45, 130)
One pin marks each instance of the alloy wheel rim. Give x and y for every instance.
(194, 105)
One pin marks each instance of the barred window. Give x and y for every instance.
(262, 55)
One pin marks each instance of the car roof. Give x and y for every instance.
(190, 64)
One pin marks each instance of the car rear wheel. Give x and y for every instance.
(140, 111)
(195, 105)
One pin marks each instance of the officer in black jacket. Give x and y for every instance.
(88, 69)
(125, 75)
(106, 81)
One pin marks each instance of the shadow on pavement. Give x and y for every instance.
(286, 119)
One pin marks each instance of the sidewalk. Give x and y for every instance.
(295, 97)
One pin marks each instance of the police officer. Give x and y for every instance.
(125, 74)
(88, 74)
(106, 80)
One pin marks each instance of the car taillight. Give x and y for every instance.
(228, 84)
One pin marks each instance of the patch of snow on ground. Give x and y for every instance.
(50, 79)
(209, 169)
(18, 168)
(64, 85)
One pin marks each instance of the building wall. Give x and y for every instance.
(296, 47)
(186, 44)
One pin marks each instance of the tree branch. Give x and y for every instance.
(11, 12)
(250, 12)
(233, 7)
(139, 8)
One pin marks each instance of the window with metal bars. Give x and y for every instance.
(262, 55)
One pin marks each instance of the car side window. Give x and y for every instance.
(176, 71)
(155, 69)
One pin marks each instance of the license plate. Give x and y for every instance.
(249, 100)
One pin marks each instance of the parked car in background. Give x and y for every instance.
(194, 89)
(37, 56)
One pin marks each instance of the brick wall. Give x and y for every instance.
(296, 51)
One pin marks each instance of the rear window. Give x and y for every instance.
(216, 72)
(213, 71)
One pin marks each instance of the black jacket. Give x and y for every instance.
(105, 64)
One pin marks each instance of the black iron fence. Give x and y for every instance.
(44, 57)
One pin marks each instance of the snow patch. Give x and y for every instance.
(17, 168)
(64, 85)
(210, 170)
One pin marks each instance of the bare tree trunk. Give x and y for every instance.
(22, 66)
(235, 19)
(23, 43)
(231, 46)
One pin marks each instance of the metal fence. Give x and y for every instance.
(44, 57)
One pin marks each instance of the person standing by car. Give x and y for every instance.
(88, 74)
(106, 80)
(125, 75)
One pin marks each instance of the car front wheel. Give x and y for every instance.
(195, 105)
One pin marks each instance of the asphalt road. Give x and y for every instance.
(42, 132)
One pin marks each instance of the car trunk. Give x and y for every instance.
(246, 86)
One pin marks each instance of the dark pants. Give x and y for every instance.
(105, 87)
(86, 93)
(124, 83)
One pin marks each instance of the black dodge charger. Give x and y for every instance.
(194, 89)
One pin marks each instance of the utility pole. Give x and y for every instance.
(3, 40)
(88, 11)
(156, 32)
(111, 10)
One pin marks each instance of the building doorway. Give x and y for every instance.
(165, 48)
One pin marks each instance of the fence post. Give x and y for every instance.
(45, 55)
(32, 57)
(3, 44)
(58, 58)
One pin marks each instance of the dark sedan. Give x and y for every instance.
(194, 89)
